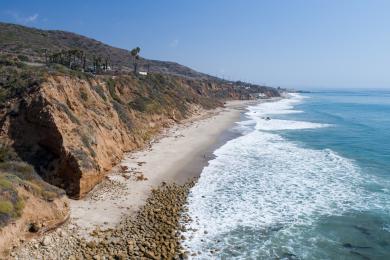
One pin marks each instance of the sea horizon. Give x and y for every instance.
(195, 130)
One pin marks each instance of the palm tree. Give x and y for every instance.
(106, 62)
(135, 54)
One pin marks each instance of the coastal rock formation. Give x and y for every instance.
(74, 128)
(64, 125)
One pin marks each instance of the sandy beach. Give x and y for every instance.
(140, 204)
(177, 155)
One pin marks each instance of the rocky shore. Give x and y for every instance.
(127, 218)
(154, 233)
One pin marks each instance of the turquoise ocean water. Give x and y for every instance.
(311, 183)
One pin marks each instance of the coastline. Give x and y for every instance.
(176, 157)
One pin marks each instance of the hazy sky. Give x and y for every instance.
(288, 43)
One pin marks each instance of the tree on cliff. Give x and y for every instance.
(135, 54)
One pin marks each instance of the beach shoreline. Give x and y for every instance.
(176, 157)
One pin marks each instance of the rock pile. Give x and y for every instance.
(155, 233)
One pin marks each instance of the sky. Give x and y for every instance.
(295, 43)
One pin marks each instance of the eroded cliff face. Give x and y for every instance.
(74, 130)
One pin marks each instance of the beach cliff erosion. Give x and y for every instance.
(67, 120)
(72, 129)
(148, 188)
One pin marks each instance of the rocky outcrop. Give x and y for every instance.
(73, 129)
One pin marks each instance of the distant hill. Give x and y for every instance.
(30, 42)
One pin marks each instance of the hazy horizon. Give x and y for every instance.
(300, 44)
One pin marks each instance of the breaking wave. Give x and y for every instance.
(260, 187)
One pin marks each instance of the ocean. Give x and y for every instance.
(310, 182)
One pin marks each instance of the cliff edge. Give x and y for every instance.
(73, 129)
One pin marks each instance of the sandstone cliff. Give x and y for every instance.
(61, 129)
(73, 129)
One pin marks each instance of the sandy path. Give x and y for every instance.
(178, 155)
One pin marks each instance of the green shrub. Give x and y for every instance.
(19, 206)
(19, 169)
(83, 95)
(87, 143)
(15, 175)
(6, 207)
(68, 112)
(123, 114)
(23, 58)
(49, 195)
(99, 89)
(7, 153)
(4, 183)
(139, 103)
(3, 96)
(145, 104)
(58, 69)
(111, 88)
(18, 78)
(84, 159)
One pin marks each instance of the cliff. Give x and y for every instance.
(62, 130)
(73, 129)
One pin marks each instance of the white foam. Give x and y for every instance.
(283, 106)
(277, 124)
(260, 180)
(262, 115)
(386, 228)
